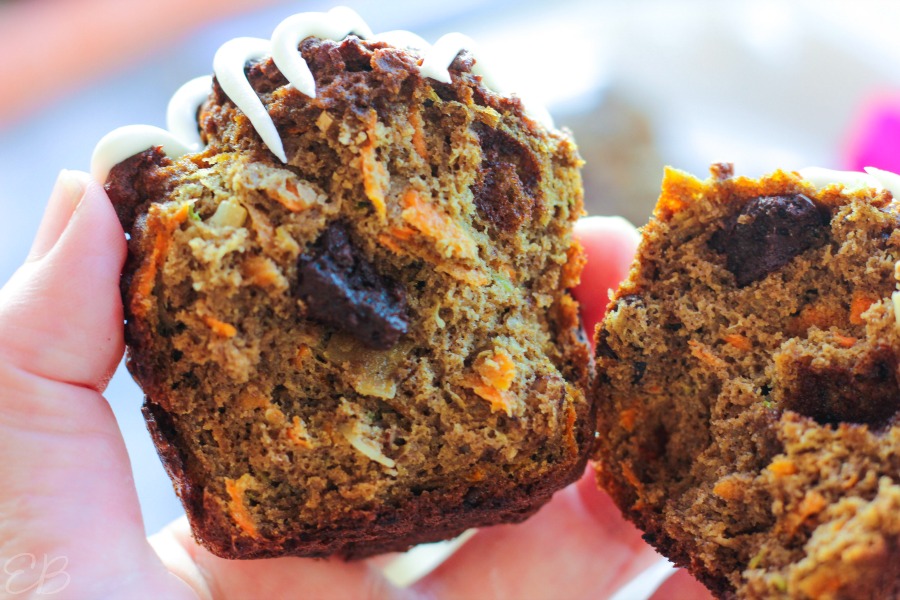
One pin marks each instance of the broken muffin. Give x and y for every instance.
(371, 343)
(748, 386)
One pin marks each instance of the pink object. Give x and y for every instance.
(874, 141)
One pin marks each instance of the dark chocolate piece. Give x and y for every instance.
(767, 234)
(344, 291)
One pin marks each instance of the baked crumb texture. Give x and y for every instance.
(747, 387)
(372, 345)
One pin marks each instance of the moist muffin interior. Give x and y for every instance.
(748, 391)
(373, 344)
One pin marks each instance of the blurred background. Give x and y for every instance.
(641, 83)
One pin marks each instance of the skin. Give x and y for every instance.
(69, 513)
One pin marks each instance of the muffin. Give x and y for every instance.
(348, 306)
(747, 384)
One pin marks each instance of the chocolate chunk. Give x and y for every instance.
(506, 190)
(767, 234)
(342, 290)
(866, 392)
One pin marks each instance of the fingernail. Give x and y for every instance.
(64, 199)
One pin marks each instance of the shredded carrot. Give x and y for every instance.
(845, 341)
(474, 277)
(851, 481)
(261, 271)
(820, 316)
(738, 341)
(496, 370)
(494, 374)
(146, 277)
(293, 202)
(376, 180)
(390, 243)
(434, 224)
(303, 352)
(858, 305)
(403, 233)
(476, 475)
(727, 489)
(239, 512)
(782, 467)
(576, 259)
(437, 225)
(220, 327)
(812, 504)
(451, 240)
(630, 477)
(627, 418)
(704, 354)
(500, 401)
(418, 138)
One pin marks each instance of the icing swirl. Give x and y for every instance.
(228, 65)
(873, 178)
(181, 114)
(230, 60)
(335, 25)
(440, 56)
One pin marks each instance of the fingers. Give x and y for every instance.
(213, 577)
(577, 546)
(610, 243)
(68, 501)
(61, 313)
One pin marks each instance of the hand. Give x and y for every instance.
(69, 515)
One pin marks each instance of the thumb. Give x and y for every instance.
(61, 313)
(69, 513)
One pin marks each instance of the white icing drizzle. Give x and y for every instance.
(229, 66)
(124, 142)
(877, 179)
(182, 137)
(439, 57)
(890, 181)
(400, 38)
(335, 25)
(181, 115)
